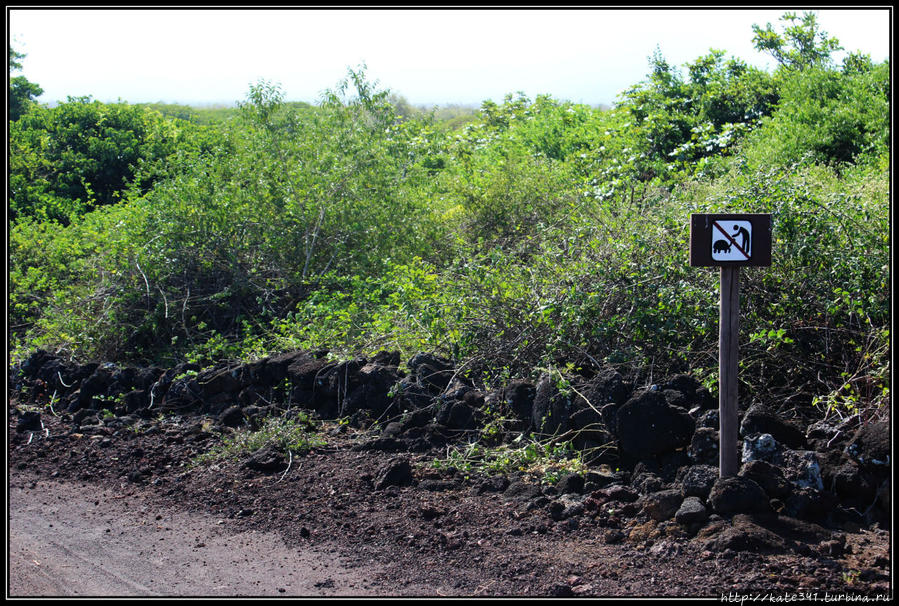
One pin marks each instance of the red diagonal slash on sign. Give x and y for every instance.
(729, 237)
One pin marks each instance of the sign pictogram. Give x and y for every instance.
(731, 240)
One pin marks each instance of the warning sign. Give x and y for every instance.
(726, 239)
(731, 240)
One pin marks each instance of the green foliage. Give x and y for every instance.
(827, 116)
(820, 314)
(297, 434)
(22, 92)
(67, 160)
(800, 46)
(64, 289)
(546, 461)
(539, 234)
(511, 195)
(673, 128)
(241, 226)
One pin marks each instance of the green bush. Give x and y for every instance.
(290, 435)
(81, 154)
(825, 116)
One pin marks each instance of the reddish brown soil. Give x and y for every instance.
(341, 536)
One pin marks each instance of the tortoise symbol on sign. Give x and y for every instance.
(721, 246)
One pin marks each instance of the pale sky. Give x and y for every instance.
(428, 56)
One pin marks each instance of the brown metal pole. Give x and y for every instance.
(728, 334)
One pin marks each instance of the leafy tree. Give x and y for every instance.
(669, 127)
(801, 45)
(22, 93)
(827, 116)
(729, 92)
(172, 110)
(82, 154)
(239, 233)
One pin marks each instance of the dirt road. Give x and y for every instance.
(66, 539)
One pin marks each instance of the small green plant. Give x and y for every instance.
(545, 461)
(186, 374)
(495, 424)
(851, 577)
(296, 435)
(28, 408)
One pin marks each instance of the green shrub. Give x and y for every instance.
(81, 154)
(297, 435)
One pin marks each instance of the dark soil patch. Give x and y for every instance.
(426, 529)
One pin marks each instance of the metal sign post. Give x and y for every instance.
(729, 241)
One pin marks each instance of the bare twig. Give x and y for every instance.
(839, 431)
(289, 463)
(146, 282)
(59, 374)
(310, 247)
(458, 370)
(152, 394)
(165, 300)
(589, 403)
(184, 313)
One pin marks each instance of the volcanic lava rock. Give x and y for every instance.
(704, 446)
(570, 483)
(698, 480)
(135, 400)
(768, 476)
(647, 482)
(431, 371)
(29, 421)
(743, 534)
(231, 417)
(648, 426)
(616, 492)
(759, 419)
(709, 418)
(520, 397)
(398, 472)
(691, 511)
(870, 446)
(497, 483)
(662, 505)
(738, 494)
(522, 491)
(267, 459)
(218, 381)
(551, 409)
(760, 447)
(802, 468)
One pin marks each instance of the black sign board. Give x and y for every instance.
(730, 240)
